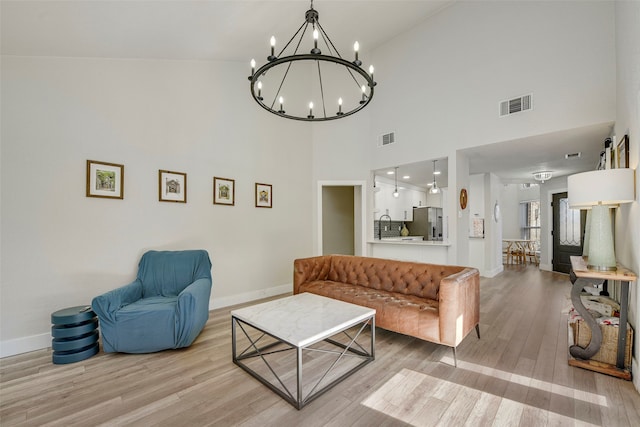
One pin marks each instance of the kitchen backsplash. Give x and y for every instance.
(393, 231)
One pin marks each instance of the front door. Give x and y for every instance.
(568, 230)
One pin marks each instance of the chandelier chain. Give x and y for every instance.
(305, 25)
(324, 109)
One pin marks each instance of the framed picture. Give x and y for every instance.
(264, 195)
(622, 152)
(105, 180)
(172, 186)
(224, 191)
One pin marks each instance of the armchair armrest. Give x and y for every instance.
(107, 304)
(459, 305)
(192, 311)
(310, 269)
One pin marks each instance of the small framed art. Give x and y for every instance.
(264, 195)
(622, 152)
(172, 186)
(105, 180)
(224, 191)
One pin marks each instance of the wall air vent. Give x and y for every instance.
(516, 105)
(387, 139)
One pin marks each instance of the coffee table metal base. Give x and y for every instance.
(255, 350)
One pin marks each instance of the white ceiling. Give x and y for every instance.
(240, 30)
(195, 30)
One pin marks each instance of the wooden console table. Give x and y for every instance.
(625, 276)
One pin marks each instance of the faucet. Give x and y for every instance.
(380, 225)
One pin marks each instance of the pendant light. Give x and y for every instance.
(434, 187)
(395, 192)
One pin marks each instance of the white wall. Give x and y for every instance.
(628, 122)
(510, 210)
(439, 87)
(60, 248)
(440, 83)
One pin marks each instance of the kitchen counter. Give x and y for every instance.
(408, 249)
(408, 241)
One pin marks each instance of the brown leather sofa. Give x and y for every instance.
(436, 303)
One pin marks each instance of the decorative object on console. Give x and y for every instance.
(542, 176)
(224, 191)
(172, 186)
(264, 195)
(105, 180)
(335, 68)
(601, 190)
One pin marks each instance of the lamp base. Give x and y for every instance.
(601, 268)
(601, 248)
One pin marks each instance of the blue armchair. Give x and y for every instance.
(165, 307)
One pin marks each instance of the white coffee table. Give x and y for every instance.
(306, 323)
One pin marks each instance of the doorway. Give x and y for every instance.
(337, 220)
(568, 232)
(340, 218)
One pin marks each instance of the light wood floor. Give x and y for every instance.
(517, 374)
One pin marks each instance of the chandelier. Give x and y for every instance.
(542, 176)
(275, 90)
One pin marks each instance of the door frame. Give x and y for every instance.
(359, 214)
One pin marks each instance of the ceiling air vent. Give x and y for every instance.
(515, 105)
(387, 139)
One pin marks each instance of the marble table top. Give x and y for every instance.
(303, 319)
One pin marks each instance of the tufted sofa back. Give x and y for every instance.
(409, 278)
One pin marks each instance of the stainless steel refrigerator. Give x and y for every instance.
(427, 222)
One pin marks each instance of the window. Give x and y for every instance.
(570, 230)
(530, 220)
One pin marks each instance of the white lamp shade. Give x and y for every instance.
(606, 186)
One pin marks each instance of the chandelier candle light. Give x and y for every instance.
(334, 74)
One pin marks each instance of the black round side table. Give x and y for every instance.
(75, 334)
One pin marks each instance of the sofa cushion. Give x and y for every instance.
(407, 278)
(397, 312)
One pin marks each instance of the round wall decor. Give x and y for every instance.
(463, 198)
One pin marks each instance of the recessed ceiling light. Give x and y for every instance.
(436, 172)
(389, 172)
(429, 184)
(406, 177)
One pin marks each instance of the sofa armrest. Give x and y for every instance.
(310, 269)
(459, 305)
(106, 305)
(192, 311)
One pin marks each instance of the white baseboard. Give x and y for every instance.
(493, 272)
(24, 345)
(634, 368)
(38, 342)
(249, 296)
(546, 267)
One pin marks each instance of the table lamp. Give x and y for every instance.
(600, 191)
